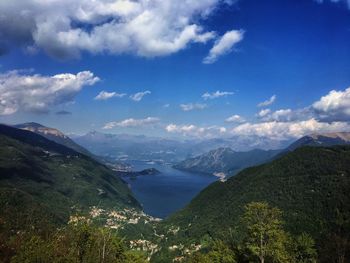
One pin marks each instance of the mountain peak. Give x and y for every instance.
(41, 129)
(321, 139)
(345, 136)
(29, 124)
(53, 135)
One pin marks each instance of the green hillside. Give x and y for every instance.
(43, 183)
(311, 186)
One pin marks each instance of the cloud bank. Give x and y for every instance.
(20, 91)
(195, 131)
(147, 28)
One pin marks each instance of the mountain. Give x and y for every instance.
(311, 185)
(134, 147)
(225, 160)
(43, 182)
(140, 147)
(53, 135)
(321, 139)
(60, 138)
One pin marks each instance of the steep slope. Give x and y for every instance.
(225, 160)
(311, 185)
(53, 135)
(42, 182)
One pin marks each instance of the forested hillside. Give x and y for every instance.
(311, 186)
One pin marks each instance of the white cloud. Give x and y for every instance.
(335, 106)
(20, 91)
(216, 94)
(285, 115)
(263, 113)
(193, 106)
(224, 45)
(196, 131)
(132, 123)
(139, 95)
(148, 28)
(105, 95)
(235, 119)
(268, 102)
(287, 130)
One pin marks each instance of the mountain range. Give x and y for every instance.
(42, 182)
(225, 160)
(139, 147)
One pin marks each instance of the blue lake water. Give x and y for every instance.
(167, 192)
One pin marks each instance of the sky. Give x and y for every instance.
(191, 69)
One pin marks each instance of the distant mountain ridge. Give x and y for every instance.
(225, 160)
(140, 147)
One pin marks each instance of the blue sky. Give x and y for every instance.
(296, 50)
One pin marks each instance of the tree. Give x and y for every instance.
(303, 249)
(221, 253)
(79, 243)
(264, 234)
(216, 252)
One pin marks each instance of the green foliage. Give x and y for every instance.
(311, 185)
(303, 249)
(264, 234)
(42, 183)
(82, 243)
(217, 252)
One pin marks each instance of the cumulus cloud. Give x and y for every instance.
(216, 94)
(105, 95)
(331, 113)
(196, 131)
(20, 91)
(147, 28)
(285, 115)
(235, 119)
(268, 102)
(287, 130)
(335, 106)
(139, 95)
(132, 123)
(223, 45)
(193, 106)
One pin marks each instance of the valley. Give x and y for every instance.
(165, 131)
(168, 213)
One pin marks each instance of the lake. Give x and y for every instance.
(163, 194)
